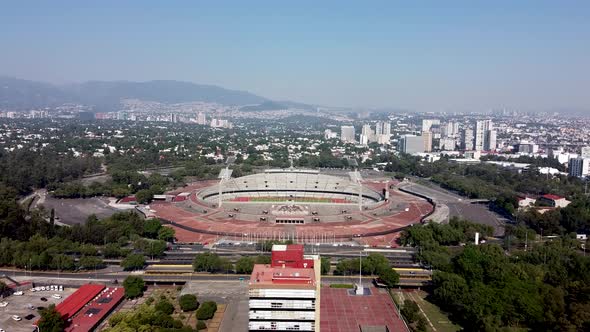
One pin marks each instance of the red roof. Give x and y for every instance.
(73, 303)
(96, 310)
(552, 197)
(127, 199)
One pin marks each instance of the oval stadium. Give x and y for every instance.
(304, 206)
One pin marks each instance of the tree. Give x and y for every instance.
(133, 262)
(206, 310)
(209, 262)
(245, 265)
(151, 227)
(325, 266)
(90, 262)
(51, 320)
(144, 196)
(165, 306)
(133, 287)
(410, 310)
(389, 277)
(166, 234)
(188, 302)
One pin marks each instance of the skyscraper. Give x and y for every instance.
(427, 136)
(428, 123)
(483, 135)
(347, 134)
(201, 118)
(467, 139)
(585, 153)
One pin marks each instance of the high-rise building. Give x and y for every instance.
(329, 134)
(490, 142)
(579, 167)
(428, 123)
(347, 134)
(427, 137)
(387, 128)
(201, 118)
(411, 144)
(481, 134)
(285, 295)
(585, 153)
(467, 139)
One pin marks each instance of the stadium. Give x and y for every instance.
(305, 206)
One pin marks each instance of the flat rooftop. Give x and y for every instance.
(281, 277)
(341, 311)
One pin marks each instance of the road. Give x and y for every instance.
(105, 275)
(461, 207)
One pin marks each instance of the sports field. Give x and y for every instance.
(438, 321)
(282, 199)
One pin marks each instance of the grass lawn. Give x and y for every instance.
(438, 320)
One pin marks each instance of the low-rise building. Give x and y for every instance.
(553, 201)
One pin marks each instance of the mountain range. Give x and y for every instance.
(19, 94)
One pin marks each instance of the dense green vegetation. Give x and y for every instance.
(411, 312)
(188, 302)
(486, 289)
(134, 287)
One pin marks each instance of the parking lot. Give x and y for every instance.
(26, 307)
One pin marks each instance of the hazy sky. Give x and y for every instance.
(422, 55)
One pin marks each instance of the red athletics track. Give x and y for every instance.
(193, 227)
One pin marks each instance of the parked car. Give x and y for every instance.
(56, 296)
(43, 299)
(19, 293)
(16, 318)
(3, 304)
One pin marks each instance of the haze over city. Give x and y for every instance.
(429, 56)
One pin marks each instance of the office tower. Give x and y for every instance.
(585, 153)
(467, 139)
(411, 144)
(579, 167)
(347, 134)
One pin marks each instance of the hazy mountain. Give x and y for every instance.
(106, 95)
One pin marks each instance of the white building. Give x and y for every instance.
(283, 297)
(484, 135)
(347, 134)
(329, 134)
(411, 144)
(428, 123)
(585, 152)
(467, 139)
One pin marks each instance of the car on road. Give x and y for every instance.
(19, 293)
(16, 318)
(43, 299)
(3, 304)
(56, 296)
(2, 330)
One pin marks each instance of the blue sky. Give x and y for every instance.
(421, 55)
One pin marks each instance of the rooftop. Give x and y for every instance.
(266, 275)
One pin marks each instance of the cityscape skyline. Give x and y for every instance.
(460, 57)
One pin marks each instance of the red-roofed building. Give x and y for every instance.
(290, 255)
(285, 295)
(128, 200)
(96, 310)
(553, 201)
(73, 303)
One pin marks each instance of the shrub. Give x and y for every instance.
(188, 302)
(206, 310)
(201, 325)
(133, 287)
(341, 286)
(165, 306)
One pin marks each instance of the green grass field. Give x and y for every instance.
(438, 320)
(296, 199)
